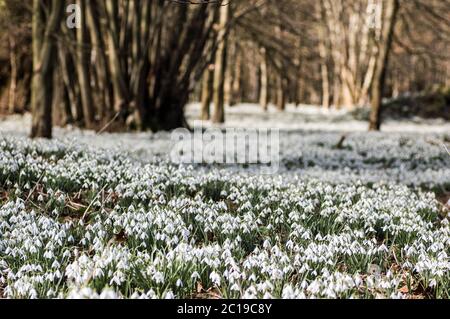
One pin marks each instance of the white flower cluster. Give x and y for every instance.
(84, 222)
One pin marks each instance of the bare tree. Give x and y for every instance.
(44, 54)
(384, 45)
(206, 97)
(218, 115)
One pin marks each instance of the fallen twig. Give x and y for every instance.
(34, 187)
(92, 202)
(109, 123)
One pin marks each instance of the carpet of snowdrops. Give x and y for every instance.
(109, 216)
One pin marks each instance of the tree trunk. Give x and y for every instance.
(300, 85)
(325, 85)
(141, 62)
(58, 114)
(121, 94)
(220, 67)
(207, 86)
(13, 84)
(44, 55)
(69, 78)
(236, 90)
(382, 62)
(101, 63)
(347, 94)
(336, 88)
(68, 116)
(324, 58)
(83, 70)
(281, 93)
(264, 90)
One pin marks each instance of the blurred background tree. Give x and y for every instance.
(15, 57)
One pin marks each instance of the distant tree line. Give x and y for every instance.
(340, 53)
(135, 64)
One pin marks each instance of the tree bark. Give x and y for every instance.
(235, 88)
(121, 94)
(382, 62)
(264, 89)
(13, 84)
(207, 86)
(324, 72)
(281, 93)
(44, 55)
(83, 70)
(220, 67)
(101, 62)
(325, 85)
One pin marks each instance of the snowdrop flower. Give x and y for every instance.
(317, 228)
(169, 295)
(288, 293)
(158, 277)
(215, 278)
(108, 294)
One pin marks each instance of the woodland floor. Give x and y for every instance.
(348, 213)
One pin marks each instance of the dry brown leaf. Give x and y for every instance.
(404, 290)
(214, 293)
(199, 287)
(211, 293)
(232, 207)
